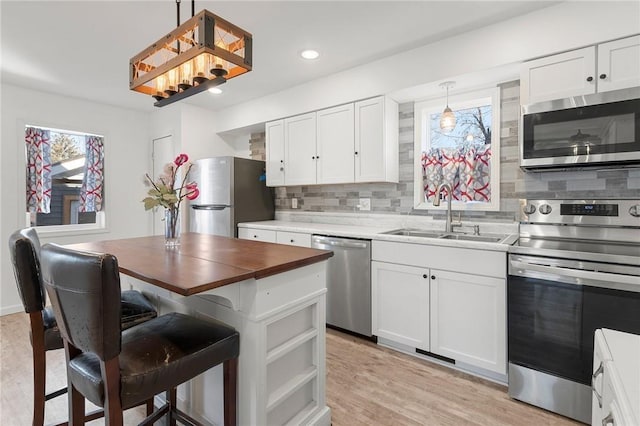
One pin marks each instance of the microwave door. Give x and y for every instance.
(216, 219)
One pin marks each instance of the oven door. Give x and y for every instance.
(602, 133)
(555, 306)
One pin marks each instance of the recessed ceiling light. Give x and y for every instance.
(215, 90)
(309, 54)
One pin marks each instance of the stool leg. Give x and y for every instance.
(172, 399)
(39, 367)
(150, 407)
(76, 406)
(230, 377)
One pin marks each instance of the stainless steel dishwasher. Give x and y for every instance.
(348, 283)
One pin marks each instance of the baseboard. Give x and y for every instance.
(323, 418)
(7, 310)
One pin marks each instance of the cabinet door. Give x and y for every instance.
(376, 144)
(299, 239)
(265, 235)
(468, 321)
(619, 64)
(300, 149)
(275, 153)
(558, 76)
(335, 144)
(400, 303)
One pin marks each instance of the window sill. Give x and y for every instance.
(72, 230)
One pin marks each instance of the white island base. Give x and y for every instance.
(282, 369)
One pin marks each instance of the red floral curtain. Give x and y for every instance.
(92, 184)
(466, 170)
(38, 170)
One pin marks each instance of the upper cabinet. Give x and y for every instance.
(607, 66)
(355, 142)
(275, 153)
(376, 140)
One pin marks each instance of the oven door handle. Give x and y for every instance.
(575, 276)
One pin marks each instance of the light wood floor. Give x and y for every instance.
(366, 385)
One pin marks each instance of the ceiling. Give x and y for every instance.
(82, 48)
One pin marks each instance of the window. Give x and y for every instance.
(466, 158)
(64, 178)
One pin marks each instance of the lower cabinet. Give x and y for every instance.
(400, 297)
(467, 319)
(299, 239)
(459, 314)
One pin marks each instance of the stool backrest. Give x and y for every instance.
(24, 246)
(85, 294)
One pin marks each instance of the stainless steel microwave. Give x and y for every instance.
(599, 130)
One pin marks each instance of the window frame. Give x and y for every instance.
(100, 225)
(422, 111)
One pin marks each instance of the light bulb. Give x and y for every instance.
(161, 84)
(186, 73)
(447, 120)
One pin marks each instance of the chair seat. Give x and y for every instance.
(158, 355)
(136, 309)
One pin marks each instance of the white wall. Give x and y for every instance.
(197, 137)
(126, 142)
(562, 27)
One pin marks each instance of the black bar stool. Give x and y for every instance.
(24, 246)
(119, 370)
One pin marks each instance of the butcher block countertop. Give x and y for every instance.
(202, 262)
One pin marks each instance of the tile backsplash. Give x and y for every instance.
(392, 198)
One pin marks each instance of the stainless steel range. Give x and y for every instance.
(575, 268)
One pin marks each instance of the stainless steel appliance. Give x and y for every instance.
(232, 190)
(348, 283)
(575, 268)
(594, 130)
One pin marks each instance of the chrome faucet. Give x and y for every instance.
(436, 203)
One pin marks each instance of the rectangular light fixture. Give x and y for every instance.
(203, 52)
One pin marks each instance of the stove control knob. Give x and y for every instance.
(529, 209)
(545, 209)
(635, 210)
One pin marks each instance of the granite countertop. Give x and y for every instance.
(509, 235)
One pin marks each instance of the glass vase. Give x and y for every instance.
(172, 227)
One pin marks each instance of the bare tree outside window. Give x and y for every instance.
(473, 129)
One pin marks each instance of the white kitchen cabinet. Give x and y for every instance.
(619, 64)
(299, 239)
(616, 379)
(467, 319)
(558, 76)
(265, 235)
(275, 153)
(335, 145)
(376, 140)
(400, 303)
(300, 149)
(595, 69)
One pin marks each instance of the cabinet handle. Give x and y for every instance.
(292, 240)
(255, 236)
(424, 275)
(356, 152)
(590, 79)
(596, 373)
(317, 157)
(282, 161)
(603, 76)
(313, 158)
(433, 277)
(609, 420)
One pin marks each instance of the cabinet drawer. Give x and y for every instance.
(265, 235)
(293, 238)
(471, 261)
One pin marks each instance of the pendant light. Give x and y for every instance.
(447, 118)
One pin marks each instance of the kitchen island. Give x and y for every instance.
(274, 295)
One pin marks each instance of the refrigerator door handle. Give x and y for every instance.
(210, 206)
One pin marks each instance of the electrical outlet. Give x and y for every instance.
(294, 203)
(365, 204)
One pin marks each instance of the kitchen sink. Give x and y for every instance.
(482, 238)
(410, 232)
(407, 232)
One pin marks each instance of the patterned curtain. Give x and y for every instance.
(466, 170)
(91, 190)
(38, 170)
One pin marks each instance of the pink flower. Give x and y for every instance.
(193, 194)
(191, 186)
(181, 159)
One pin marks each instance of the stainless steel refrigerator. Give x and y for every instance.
(232, 190)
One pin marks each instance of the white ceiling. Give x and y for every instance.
(82, 48)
